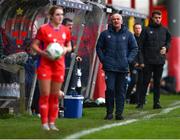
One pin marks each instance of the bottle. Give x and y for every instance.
(8, 90)
(17, 90)
(13, 89)
(79, 74)
(3, 89)
(11, 111)
(79, 85)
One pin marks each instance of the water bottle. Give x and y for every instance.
(3, 89)
(11, 111)
(17, 90)
(8, 90)
(79, 74)
(61, 114)
(79, 82)
(13, 89)
(79, 85)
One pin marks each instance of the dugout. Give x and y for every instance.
(19, 22)
(95, 21)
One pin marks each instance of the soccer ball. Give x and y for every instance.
(100, 100)
(54, 50)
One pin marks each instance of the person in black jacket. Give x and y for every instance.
(116, 48)
(155, 40)
(136, 69)
(74, 78)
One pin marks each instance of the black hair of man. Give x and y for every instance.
(137, 23)
(66, 20)
(156, 12)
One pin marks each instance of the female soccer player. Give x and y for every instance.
(50, 72)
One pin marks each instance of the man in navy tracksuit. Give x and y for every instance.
(116, 48)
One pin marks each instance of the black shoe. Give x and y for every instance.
(119, 117)
(157, 106)
(139, 106)
(108, 117)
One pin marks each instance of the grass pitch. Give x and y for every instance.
(162, 126)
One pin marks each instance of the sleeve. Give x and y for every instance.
(100, 48)
(39, 35)
(135, 59)
(141, 44)
(142, 38)
(139, 58)
(132, 48)
(168, 39)
(140, 55)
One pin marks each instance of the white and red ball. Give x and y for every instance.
(54, 50)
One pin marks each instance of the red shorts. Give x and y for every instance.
(51, 70)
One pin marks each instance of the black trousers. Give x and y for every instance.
(139, 85)
(150, 70)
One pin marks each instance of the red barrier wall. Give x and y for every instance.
(174, 61)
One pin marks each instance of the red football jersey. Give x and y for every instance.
(47, 34)
(48, 69)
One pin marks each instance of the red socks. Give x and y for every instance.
(53, 107)
(44, 108)
(48, 108)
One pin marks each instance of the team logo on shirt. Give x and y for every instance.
(151, 32)
(61, 77)
(109, 36)
(55, 40)
(63, 35)
(44, 75)
(124, 37)
(49, 35)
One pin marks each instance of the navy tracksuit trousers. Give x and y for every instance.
(116, 85)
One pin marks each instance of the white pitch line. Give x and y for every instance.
(165, 111)
(175, 103)
(85, 132)
(89, 131)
